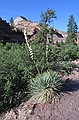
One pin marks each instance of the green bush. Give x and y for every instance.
(77, 52)
(16, 68)
(59, 58)
(68, 52)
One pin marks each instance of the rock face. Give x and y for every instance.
(7, 34)
(32, 27)
(4, 29)
(18, 19)
(59, 36)
(16, 34)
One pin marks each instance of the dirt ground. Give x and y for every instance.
(65, 109)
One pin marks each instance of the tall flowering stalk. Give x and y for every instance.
(47, 48)
(30, 49)
(47, 42)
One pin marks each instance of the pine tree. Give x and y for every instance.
(72, 30)
(11, 22)
(47, 16)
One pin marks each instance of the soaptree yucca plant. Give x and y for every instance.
(46, 86)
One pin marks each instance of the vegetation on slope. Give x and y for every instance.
(19, 65)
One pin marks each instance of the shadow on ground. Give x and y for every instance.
(71, 85)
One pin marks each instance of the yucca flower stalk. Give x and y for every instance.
(30, 49)
(47, 45)
(47, 48)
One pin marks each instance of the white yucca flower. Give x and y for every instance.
(26, 38)
(29, 47)
(25, 33)
(47, 47)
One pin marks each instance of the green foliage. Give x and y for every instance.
(19, 76)
(39, 55)
(72, 30)
(68, 52)
(11, 22)
(45, 87)
(47, 16)
(59, 44)
(58, 57)
(41, 36)
(17, 68)
(77, 53)
(65, 68)
(14, 74)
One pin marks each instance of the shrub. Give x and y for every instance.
(16, 68)
(68, 52)
(77, 52)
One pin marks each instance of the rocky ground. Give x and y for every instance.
(65, 109)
